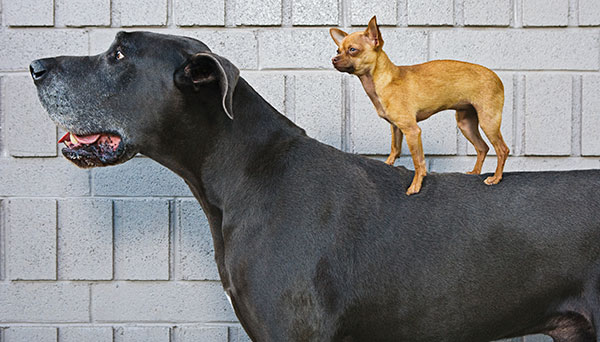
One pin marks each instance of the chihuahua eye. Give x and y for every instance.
(352, 49)
(119, 55)
(338, 51)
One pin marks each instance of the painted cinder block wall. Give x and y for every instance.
(124, 253)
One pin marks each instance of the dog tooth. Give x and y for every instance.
(73, 139)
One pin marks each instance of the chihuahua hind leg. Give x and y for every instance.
(396, 145)
(490, 124)
(468, 123)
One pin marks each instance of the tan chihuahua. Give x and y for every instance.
(404, 95)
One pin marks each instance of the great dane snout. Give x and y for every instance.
(40, 67)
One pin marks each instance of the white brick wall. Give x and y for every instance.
(124, 253)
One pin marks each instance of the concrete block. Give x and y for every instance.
(258, 12)
(405, 46)
(138, 177)
(361, 11)
(85, 334)
(590, 116)
(200, 12)
(44, 302)
(430, 13)
(319, 106)
(589, 13)
(508, 118)
(160, 301)
(238, 46)
(80, 13)
(29, 13)
(537, 338)
(132, 13)
(516, 163)
(315, 12)
(21, 46)
(299, 48)
(548, 114)
(141, 239)
(369, 134)
(85, 239)
(270, 86)
(23, 334)
(545, 12)
(195, 254)
(487, 12)
(438, 134)
(31, 236)
(204, 334)
(42, 177)
(29, 130)
(142, 334)
(519, 49)
(237, 334)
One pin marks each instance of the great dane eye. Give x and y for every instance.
(119, 55)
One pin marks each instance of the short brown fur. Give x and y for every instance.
(404, 95)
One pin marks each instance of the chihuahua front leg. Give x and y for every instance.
(413, 140)
(396, 145)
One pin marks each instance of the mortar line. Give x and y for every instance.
(170, 14)
(3, 223)
(345, 13)
(459, 17)
(573, 13)
(113, 225)
(518, 13)
(513, 147)
(57, 240)
(90, 305)
(402, 13)
(523, 117)
(286, 13)
(173, 231)
(576, 115)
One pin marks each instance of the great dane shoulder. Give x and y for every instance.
(313, 244)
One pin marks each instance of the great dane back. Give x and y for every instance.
(313, 244)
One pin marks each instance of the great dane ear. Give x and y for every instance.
(204, 68)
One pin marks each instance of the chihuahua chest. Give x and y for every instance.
(369, 86)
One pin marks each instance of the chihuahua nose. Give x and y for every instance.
(334, 59)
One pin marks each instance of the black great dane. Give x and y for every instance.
(314, 244)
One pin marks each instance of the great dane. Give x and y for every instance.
(314, 244)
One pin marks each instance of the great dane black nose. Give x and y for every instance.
(40, 67)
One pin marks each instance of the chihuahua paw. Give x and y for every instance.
(492, 180)
(414, 189)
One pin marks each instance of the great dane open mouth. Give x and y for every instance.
(314, 244)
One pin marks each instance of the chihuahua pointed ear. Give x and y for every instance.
(337, 35)
(373, 33)
(205, 68)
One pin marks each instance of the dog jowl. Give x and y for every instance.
(99, 99)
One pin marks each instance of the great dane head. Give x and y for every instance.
(116, 104)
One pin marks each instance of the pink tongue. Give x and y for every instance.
(87, 139)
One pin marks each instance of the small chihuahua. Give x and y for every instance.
(404, 95)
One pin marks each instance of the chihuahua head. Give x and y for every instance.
(357, 52)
